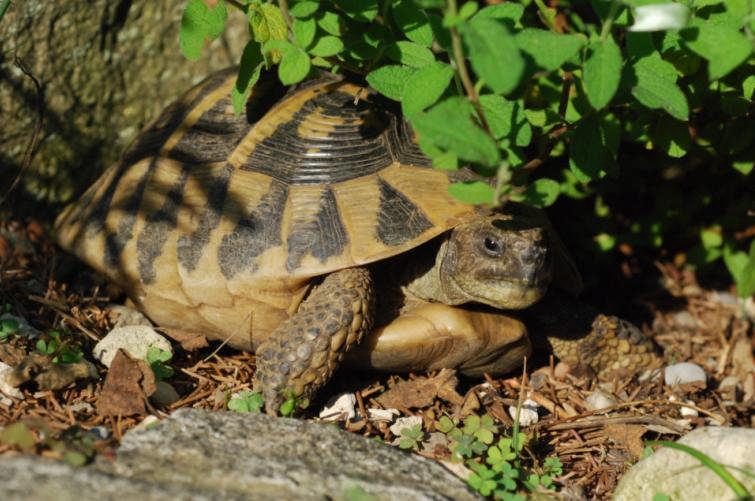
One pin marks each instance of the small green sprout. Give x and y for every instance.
(411, 437)
(292, 402)
(247, 401)
(60, 351)
(8, 327)
(157, 358)
(482, 428)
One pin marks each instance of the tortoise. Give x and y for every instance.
(312, 221)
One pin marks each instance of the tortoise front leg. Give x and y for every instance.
(429, 336)
(303, 352)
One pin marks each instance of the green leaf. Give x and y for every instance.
(413, 22)
(593, 147)
(493, 53)
(742, 268)
(748, 88)
(472, 192)
(246, 401)
(724, 47)
(672, 137)
(744, 167)
(198, 23)
(549, 49)
(304, 31)
(294, 66)
(656, 87)
(499, 113)
(303, 9)
(326, 46)
(542, 193)
(267, 22)
(330, 22)
(510, 13)
(410, 54)
(601, 72)
(390, 80)
(425, 87)
(249, 73)
(359, 10)
(19, 435)
(449, 125)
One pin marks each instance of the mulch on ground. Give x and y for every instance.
(53, 292)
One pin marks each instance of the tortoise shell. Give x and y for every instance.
(214, 220)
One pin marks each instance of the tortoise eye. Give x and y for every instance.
(492, 246)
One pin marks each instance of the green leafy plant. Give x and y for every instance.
(246, 401)
(739, 490)
(8, 327)
(411, 437)
(548, 102)
(61, 351)
(157, 360)
(292, 403)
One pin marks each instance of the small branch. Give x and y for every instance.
(608, 24)
(461, 67)
(32, 146)
(567, 78)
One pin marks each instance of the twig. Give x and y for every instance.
(594, 421)
(32, 145)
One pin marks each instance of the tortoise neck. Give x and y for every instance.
(433, 283)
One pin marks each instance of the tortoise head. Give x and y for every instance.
(503, 259)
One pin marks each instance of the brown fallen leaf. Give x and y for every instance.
(128, 384)
(48, 375)
(190, 341)
(422, 391)
(628, 436)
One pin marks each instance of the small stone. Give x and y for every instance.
(385, 415)
(134, 340)
(146, 423)
(82, 408)
(724, 298)
(340, 408)
(5, 387)
(405, 422)
(728, 382)
(598, 400)
(123, 316)
(164, 394)
(684, 373)
(100, 432)
(674, 472)
(685, 319)
(688, 411)
(527, 414)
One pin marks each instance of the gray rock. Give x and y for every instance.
(134, 339)
(684, 373)
(681, 476)
(164, 394)
(124, 316)
(223, 455)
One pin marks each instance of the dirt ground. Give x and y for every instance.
(689, 323)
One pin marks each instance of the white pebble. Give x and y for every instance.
(598, 400)
(340, 409)
(385, 415)
(134, 340)
(688, 411)
(5, 387)
(684, 373)
(527, 414)
(146, 423)
(405, 422)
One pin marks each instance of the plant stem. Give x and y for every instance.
(283, 4)
(545, 15)
(236, 4)
(461, 68)
(608, 23)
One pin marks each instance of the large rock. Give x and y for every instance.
(200, 454)
(682, 477)
(106, 67)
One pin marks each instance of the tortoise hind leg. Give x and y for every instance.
(584, 339)
(429, 336)
(303, 352)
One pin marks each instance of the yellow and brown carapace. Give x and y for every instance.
(216, 222)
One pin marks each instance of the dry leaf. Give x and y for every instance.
(422, 391)
(628, 436)
(128, 384)
(189, 341)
